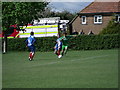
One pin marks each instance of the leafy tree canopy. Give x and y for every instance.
(64, 15)
(20, 13)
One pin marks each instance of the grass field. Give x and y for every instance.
(78, 69)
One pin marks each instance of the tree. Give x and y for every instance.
(113, 27)
(20, 13)
(64, 15)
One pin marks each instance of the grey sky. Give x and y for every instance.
(71, 5)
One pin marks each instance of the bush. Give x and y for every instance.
(81, 42)
(94, 42)
(112, 28)
(42, 44)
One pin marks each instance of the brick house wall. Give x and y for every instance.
(105, 9)
(96, 28)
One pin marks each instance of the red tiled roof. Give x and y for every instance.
(102, 7)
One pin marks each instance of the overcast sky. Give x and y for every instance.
(73, 6)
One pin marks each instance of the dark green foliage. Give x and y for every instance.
(64, 15)
(112, 28)
(94, 42)
(16, 44)
(42, 44)
(45, 43)
(21, 13)
(81, 42)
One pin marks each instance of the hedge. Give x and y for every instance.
(80, 42)
(42, 44)
(94, 42)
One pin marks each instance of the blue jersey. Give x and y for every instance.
(30, 41)
(58, 44)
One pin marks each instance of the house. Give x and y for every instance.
(95, 17)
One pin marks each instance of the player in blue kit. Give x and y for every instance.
(58, 47)
(30, 44)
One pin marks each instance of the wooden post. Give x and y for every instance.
(5, 43)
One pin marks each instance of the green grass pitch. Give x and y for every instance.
(78, 69)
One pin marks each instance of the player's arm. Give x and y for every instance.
(61, 38)
(26, 42)
(72, 35)
(55, 46)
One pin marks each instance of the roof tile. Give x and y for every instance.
(101, 7)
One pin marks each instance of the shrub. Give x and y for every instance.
(94, 42)
(80, 42)
(112, 28)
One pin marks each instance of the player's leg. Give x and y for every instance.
(33, 52)
(55, 52)
(62, 51)
(65, 51)
(56, 49)
(59, 55)
(59, 51)
(30, 54)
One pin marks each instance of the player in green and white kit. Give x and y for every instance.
(64, 39)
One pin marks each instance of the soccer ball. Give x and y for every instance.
(59, 56)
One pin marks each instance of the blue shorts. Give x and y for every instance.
(56, 46)
(31, 48)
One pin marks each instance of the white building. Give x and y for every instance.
(52, 21)
(47, 21)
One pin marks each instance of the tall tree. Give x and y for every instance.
(64, 15)
(20, 13)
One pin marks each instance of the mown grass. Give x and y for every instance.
(78, 69)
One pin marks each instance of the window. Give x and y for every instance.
(117, 18)
(83, 19)
(98, 19)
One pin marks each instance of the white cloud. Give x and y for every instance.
(69, 6)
